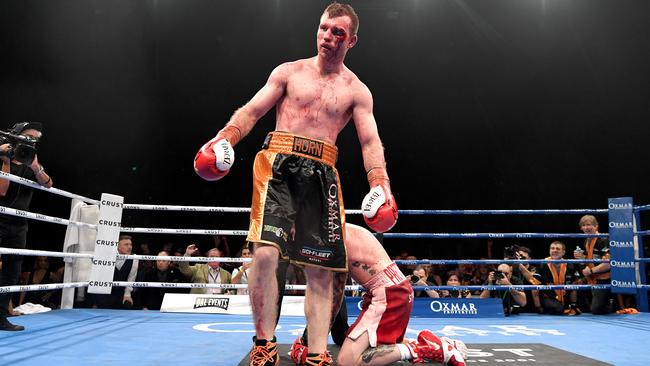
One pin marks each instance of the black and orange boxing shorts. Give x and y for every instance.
(297, 203)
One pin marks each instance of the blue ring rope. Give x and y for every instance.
(516, 287)
(502, 212)
(489, 235)
(497, 261)
(641, 208)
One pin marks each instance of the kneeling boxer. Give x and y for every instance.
(377, 336)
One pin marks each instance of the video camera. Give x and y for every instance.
(22, 148)
(499, 275)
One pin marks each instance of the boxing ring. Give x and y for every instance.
(70, 336)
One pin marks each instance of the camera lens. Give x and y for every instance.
(415, 278)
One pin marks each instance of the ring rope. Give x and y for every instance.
(503, 212)
(182, 259)
(497, 261)
(514, 287)
(153, 230)
(150, 230)
(490, 235)
(41, 217)
(641, 208)
(135, 206)
(228, 286)
(60, 192)
(223, 209)
(49, 286)
(30, 252)
(43, 253)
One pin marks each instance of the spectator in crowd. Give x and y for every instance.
(454, 280)
(144, 266)
(482, 273)
(240, 274)
(210, 272)
(435, 274)
(221, 243)
(512, 299)
(411, 258)
(125, 270)
(13, 229)
(178, 252)
(529, 276)
(152, 297)
(42, 275)
(419, 278)
(557, 302)
(595, 273)
(466, 273)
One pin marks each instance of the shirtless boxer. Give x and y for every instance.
(297, 208)
(376, 336)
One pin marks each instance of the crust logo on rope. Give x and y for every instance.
(210, 302)
(308, 147)
(112, 204)
(100, 283)
(99, 262)
(110, 223)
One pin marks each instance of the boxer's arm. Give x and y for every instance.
(372, 149)
(247, 116)
(4, 183)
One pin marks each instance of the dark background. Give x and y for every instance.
(504, 104)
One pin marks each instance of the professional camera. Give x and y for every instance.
(21, 148)
(498, 275)
(415, 279)
(511, 252)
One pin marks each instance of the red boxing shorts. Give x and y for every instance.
(386, 308)
(297, 203)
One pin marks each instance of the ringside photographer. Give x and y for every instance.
(512, 299)
(18, 157)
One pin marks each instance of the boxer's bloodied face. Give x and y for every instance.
(334, 36)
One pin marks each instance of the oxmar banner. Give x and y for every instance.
(621, 245)
(443, 308)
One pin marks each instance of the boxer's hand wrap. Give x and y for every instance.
(379, 207)
(216, 157)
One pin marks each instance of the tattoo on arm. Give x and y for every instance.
(379, 351)
(365, 267)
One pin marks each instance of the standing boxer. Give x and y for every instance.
(297, 209)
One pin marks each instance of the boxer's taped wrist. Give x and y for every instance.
(231, 133)
(377, 173)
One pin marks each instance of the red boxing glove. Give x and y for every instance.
(214, 159)
(379, 206)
